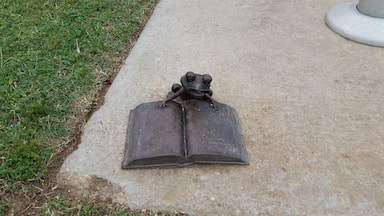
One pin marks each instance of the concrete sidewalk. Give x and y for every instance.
(310, 105)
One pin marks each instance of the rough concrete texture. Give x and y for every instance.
(310, 105)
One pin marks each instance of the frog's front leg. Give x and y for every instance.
(214, 103)
(177, 90)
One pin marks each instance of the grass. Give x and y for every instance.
(60, 207)
(52, 55)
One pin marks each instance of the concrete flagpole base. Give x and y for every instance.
(346, 20)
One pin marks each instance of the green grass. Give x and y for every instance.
(62, 207)
(51, 54)
(3, 206)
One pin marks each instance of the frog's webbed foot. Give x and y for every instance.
(170, 96)
(163, 104)
(213, 102)
(214, 106)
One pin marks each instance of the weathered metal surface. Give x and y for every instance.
(171, 134)
(193, 86)
(154, 136)
(176, 136)
(213, 137)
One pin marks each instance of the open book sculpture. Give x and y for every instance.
(197, 131)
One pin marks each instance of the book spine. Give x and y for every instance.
(183, 117)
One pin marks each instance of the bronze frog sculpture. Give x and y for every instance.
(193, 86)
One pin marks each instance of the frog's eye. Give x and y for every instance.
(190, 76)
(207, 79)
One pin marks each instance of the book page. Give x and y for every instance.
(213, 136)
(155, 136)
